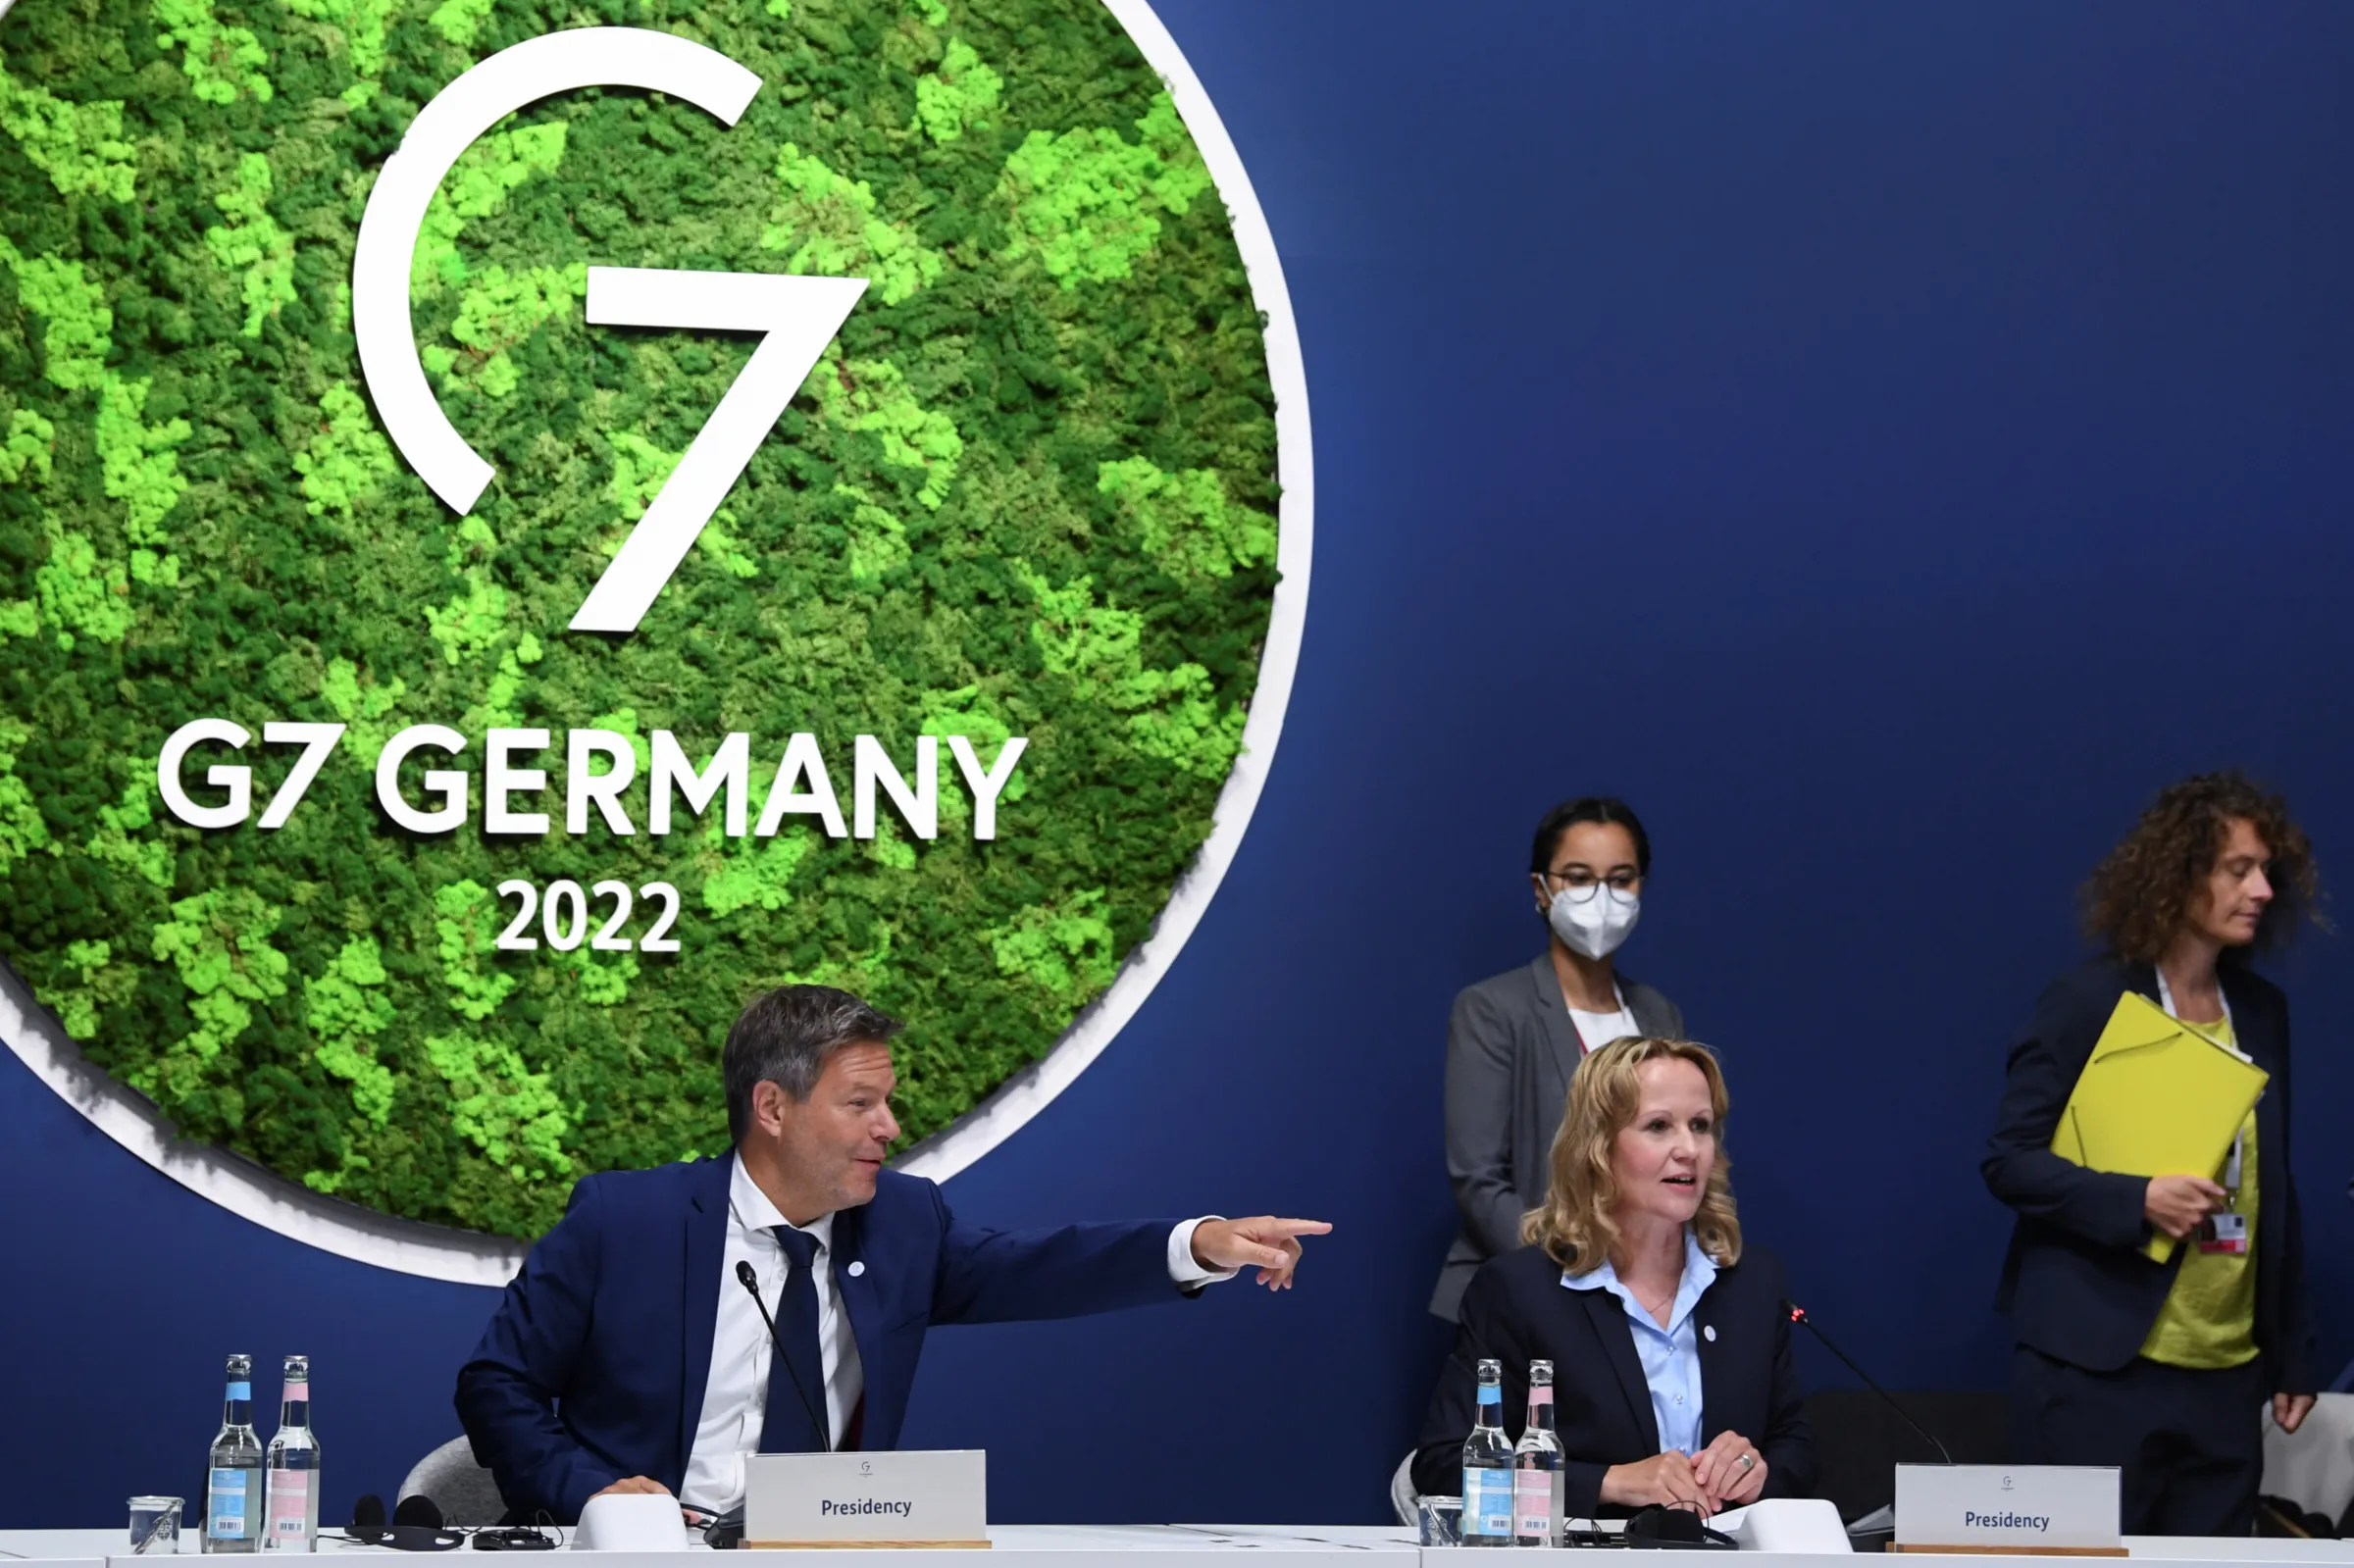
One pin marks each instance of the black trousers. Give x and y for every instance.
(2190, 1444)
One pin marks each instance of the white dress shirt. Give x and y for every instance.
(736, 1393)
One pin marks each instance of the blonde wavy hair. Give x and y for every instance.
(1574, 1225)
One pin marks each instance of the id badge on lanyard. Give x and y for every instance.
(2225, 1233)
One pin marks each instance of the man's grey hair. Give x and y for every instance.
(786, 1037)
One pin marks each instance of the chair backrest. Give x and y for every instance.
(461, 1488)
(2314, 1469)
(1859, 1442)
(1404, 1501)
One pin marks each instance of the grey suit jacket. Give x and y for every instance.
(1511, 1048)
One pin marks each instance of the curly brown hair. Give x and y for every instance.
(2138, 898)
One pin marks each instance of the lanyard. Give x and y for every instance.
(2165, 999)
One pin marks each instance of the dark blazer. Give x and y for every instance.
(1511, 1048)
(594, 1364)
(1518, 1310)
(2075, 1283)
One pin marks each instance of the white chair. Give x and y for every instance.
(461, 1488)
(2315, 1467)
(1403, 1497)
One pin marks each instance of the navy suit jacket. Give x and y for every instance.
(1518, 1310)
(594, 1364)
(2075, 1283)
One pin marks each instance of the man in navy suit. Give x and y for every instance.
(633, 1352)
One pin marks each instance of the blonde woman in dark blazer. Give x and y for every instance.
(1513, 1040)
(1673, 1380)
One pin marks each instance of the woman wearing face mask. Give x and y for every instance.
(2159, 1368)
(1515, 1040)
(1673, 1380)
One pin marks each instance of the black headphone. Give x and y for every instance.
(1676, 1529)
(416, 1525)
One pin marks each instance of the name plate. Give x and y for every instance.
(2059, 1509)
(925, 1497)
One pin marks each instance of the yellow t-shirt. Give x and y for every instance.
(2209, 1319)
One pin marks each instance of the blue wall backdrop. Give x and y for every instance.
(1884, 444)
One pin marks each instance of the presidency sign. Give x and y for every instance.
(514, 536)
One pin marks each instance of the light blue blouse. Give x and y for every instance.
(1670, 1355)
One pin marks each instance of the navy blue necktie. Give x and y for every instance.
(787, 1427)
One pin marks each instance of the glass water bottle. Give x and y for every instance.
(293, 1478)
(1537, 1467)
(1488, 1467)
(233, 1485)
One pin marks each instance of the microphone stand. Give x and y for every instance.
(817, 1423)
(1798, 1315)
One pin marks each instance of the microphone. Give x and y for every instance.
(1798, 1315)
(817, 1423)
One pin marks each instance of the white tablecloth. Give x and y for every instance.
(1134, 1545)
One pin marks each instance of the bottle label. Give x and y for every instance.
(239, 1390)
(1532, 1506)
(1540, 1393)
(225, 1506)
(290, 1504)
(1487, 1501)
(299, 1391)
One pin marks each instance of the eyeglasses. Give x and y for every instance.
(1581, 884)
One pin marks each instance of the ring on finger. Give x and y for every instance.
(1748, 1463)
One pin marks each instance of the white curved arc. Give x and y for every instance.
(1032, 1090)
(457, 116)
(240, 1187)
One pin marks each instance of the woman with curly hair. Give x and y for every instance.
(1673, 1382)
(2161, 1369)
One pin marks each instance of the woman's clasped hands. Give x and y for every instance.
(1728, 1473)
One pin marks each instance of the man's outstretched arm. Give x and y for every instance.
(1069, 1271)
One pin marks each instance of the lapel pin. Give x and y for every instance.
(857, 1269)
(1708, 1329)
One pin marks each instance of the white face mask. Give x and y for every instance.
(1592, 922)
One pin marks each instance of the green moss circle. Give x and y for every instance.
(1030, 491)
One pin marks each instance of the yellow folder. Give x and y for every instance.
(2156, 1099)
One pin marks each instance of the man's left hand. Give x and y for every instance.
(1269, 1243)
(2289, 1411)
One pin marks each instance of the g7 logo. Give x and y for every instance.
(797, 317)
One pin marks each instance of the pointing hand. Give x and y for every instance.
(1270, 1243)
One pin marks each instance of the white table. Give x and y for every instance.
(2173, 1549)
(1013, 1547)
(1136, 1545)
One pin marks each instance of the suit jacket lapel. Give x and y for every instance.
(1651, 1019)
(857, 1292)
(1608, 1316)
(1562, 1051)
(704, 1236)
(1711, 1374)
